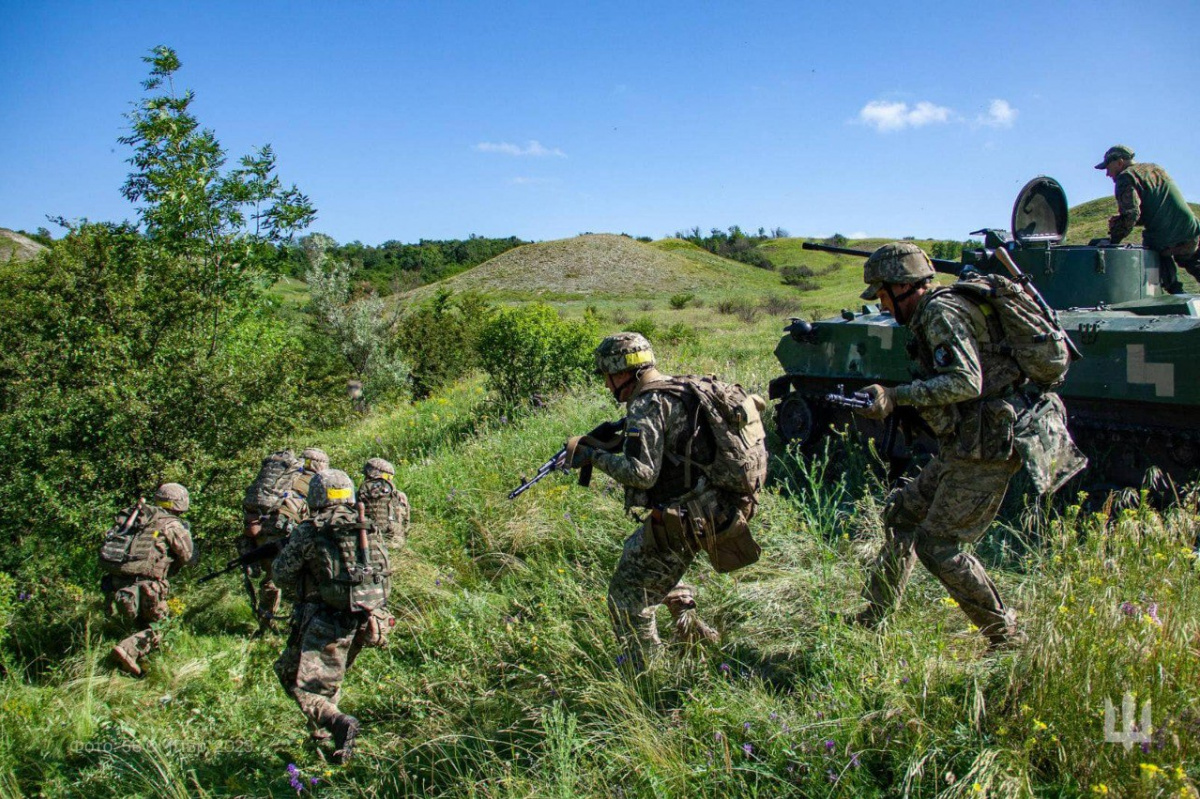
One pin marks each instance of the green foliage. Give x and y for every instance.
(681, 301)
(137, 356)
(530, 351)
(439, 339)
(734, 244)
(357, 326)
(644, 325)
(679, 333)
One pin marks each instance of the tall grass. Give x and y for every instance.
(502, 679)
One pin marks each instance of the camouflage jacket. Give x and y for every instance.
(1147, 196)
(657, 429)
(294, 569)
(965, 390)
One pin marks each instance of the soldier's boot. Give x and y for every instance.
(689, 627)
(345, 731)
(268, 606)
(125, 661)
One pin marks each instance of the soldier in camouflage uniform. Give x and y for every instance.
(654, 558)
(967, 396)
(261, 528)
(139, 553)
(1147, 196)
(387, 506)
(325, 639)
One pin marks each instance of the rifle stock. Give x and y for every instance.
(1006, 260)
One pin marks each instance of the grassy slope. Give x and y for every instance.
(1090, 221)
(500, 680)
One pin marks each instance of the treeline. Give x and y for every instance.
(394, 266)
(734, 243)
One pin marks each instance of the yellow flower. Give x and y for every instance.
(1039, 725)
(1063, 609)
(1100, 789)
(1091, 610)
(949, 602)
(1150, 769)
(977, 788)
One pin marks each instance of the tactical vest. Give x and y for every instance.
(351, 569)
(275, 479)
(724, 442)
(138, 549)
(387, 508)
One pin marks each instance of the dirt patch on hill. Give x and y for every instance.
(15, 246)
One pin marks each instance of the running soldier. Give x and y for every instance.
(147, 544)
(692, 455)
(335, 568)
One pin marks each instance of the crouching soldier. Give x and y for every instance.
(147, 544)
(335, 568)
(387, 506)
(694, 457)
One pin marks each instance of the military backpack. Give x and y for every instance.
(733, 417)
(1029, 337)
(387, 508)
(273, 483)
(353, 572)
(135, 545)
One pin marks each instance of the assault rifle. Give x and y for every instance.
(267, 551)
(608, 436)
(1027, 283)
(859, 399)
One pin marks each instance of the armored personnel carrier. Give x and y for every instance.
(1133, 398)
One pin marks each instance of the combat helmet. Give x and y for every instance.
(315, 460)
(622, 352)
(173, 497)
(378, 469)
(898, 262)
(330, 487)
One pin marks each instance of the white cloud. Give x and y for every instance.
(885, 116)
(1000, 114)
(535, 148)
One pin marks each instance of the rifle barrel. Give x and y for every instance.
(939, 264)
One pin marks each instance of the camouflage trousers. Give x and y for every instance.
(951, 502)
(1185, 254)
(647, 576)
(138, 604)
(268, 596)
(322, 645)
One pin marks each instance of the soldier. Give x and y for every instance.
(335, 568)
(272, 512)
(387, 506)
(146, 545)
(967, 395)
(669, 463)
(1147, 196)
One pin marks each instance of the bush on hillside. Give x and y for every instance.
(644, 325)
(775, 305)
(679, 333)
(530, 351)
(439, 339)
(681, 301)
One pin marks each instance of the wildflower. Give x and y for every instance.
(1145, 747)
(773, 716)
(725, 668)
(746, 727)
(1130, 609)
(621, 659)
(24, 596)
(786, 728)
(904, 681)
(717, 735)
(949, 602)
(829, 746)
(1039, 725)
(1150, 769)
(748, 749)
(854, 760)
(831, 775)
(1152, 612)
(977, 788)
(1100, 789)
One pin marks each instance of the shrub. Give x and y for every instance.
(796, 275)
(439, 339)
(681, 301)
(680, 333)
(530, 350)
(644, 325)
(727, 306)
(779, 306)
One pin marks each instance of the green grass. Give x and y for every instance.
(1089, 221)
(500, 680)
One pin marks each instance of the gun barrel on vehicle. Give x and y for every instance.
(939, 264)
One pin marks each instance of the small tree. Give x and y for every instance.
(530, 350)
(360, 328)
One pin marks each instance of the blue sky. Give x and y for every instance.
(544, 120)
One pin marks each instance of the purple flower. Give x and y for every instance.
(438, 582)
(831, 775)
(773, 716)
(786, 728)
(820, 714)
(503, 420)
(717, 735)
(904, 681)
(1130, 609)
(1152, 610)
(748, 749)
(724, 668)
(829, 745)
(1145, 747)
(710, 756)
(292, 769)
(313, 780)
(621, 659)
(854, 760)
(746, 727)
(23, 596)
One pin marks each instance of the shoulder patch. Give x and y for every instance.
(943, 356)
